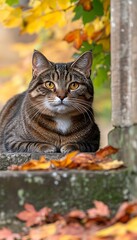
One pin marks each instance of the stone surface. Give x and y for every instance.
(60, 190)
(7, 159)
(123, 62)
(126, 140)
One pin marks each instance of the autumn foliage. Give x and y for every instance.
(96, 223)
(42, 17)
(75, 160)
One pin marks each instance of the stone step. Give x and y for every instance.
(61, 190)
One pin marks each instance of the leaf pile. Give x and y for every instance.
(75, 160)
(93, 224)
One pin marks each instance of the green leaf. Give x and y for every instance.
(97, 49)
(78, 12)
(107, 60)
(86, 47)
(12, 2)
(88, 16)
(98, 8)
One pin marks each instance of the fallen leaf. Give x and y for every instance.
(119, 229)
(33, 217)
(65, 161)
(42, 164)
(42, 232)
(106, 151)
(7, 234)
(100, 209)
(125, 212)
(79, 214)
(107, 164)
(75, 160)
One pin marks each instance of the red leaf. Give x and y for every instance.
(77, 36)
(125, 212)
(7, 234)
(100, 209)
(106, 151)
(33, 217)
(86, 4)
(77, 214)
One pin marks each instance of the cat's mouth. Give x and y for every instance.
(60, 104)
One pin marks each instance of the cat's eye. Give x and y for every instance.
(73, 86)
(49, 85)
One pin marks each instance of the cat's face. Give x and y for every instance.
(59, 88)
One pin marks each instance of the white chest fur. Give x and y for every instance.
(63, 124)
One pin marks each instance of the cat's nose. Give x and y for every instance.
(61, 96)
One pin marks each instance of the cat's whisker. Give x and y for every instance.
(85, 110)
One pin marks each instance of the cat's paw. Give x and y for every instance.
(68, 148)
(47, 148)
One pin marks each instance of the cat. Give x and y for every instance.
(55, 113)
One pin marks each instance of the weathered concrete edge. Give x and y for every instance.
(7, 159)
(60, 190)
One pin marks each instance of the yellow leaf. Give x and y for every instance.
(117, 229)
(31, 25)
(105, 42)
(42, 164)
(2, 2)
(107, 30)
(106, 4)
(64, 3)
(14, 18)
(53, 18)
(42, 232)
(111, 165)
(5, 11)
(69, 237)
(65, 161)
(131, 226)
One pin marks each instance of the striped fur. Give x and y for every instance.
(60, 119)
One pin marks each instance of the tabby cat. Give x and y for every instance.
(55, 113)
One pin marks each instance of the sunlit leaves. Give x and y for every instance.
(75, 160)
(37, 15)
(96, 223)
(12, 2)
(33, 217)
(77, 37)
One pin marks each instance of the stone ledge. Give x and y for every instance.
(7, 159)
(60, 190)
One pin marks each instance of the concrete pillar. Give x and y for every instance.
(124, 62)
(124, 79)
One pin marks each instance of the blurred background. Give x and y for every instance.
(61, 30)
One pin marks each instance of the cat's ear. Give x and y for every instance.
(83, 63)
(39, 63)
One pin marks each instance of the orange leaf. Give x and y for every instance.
(6, 233)
(79, 214)
(100, 209)
(42, 164)
(65, 161)
(31, 216)
(77, 36)
(86, 4)
(125, 211)
(104, 152)
(42, 232)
